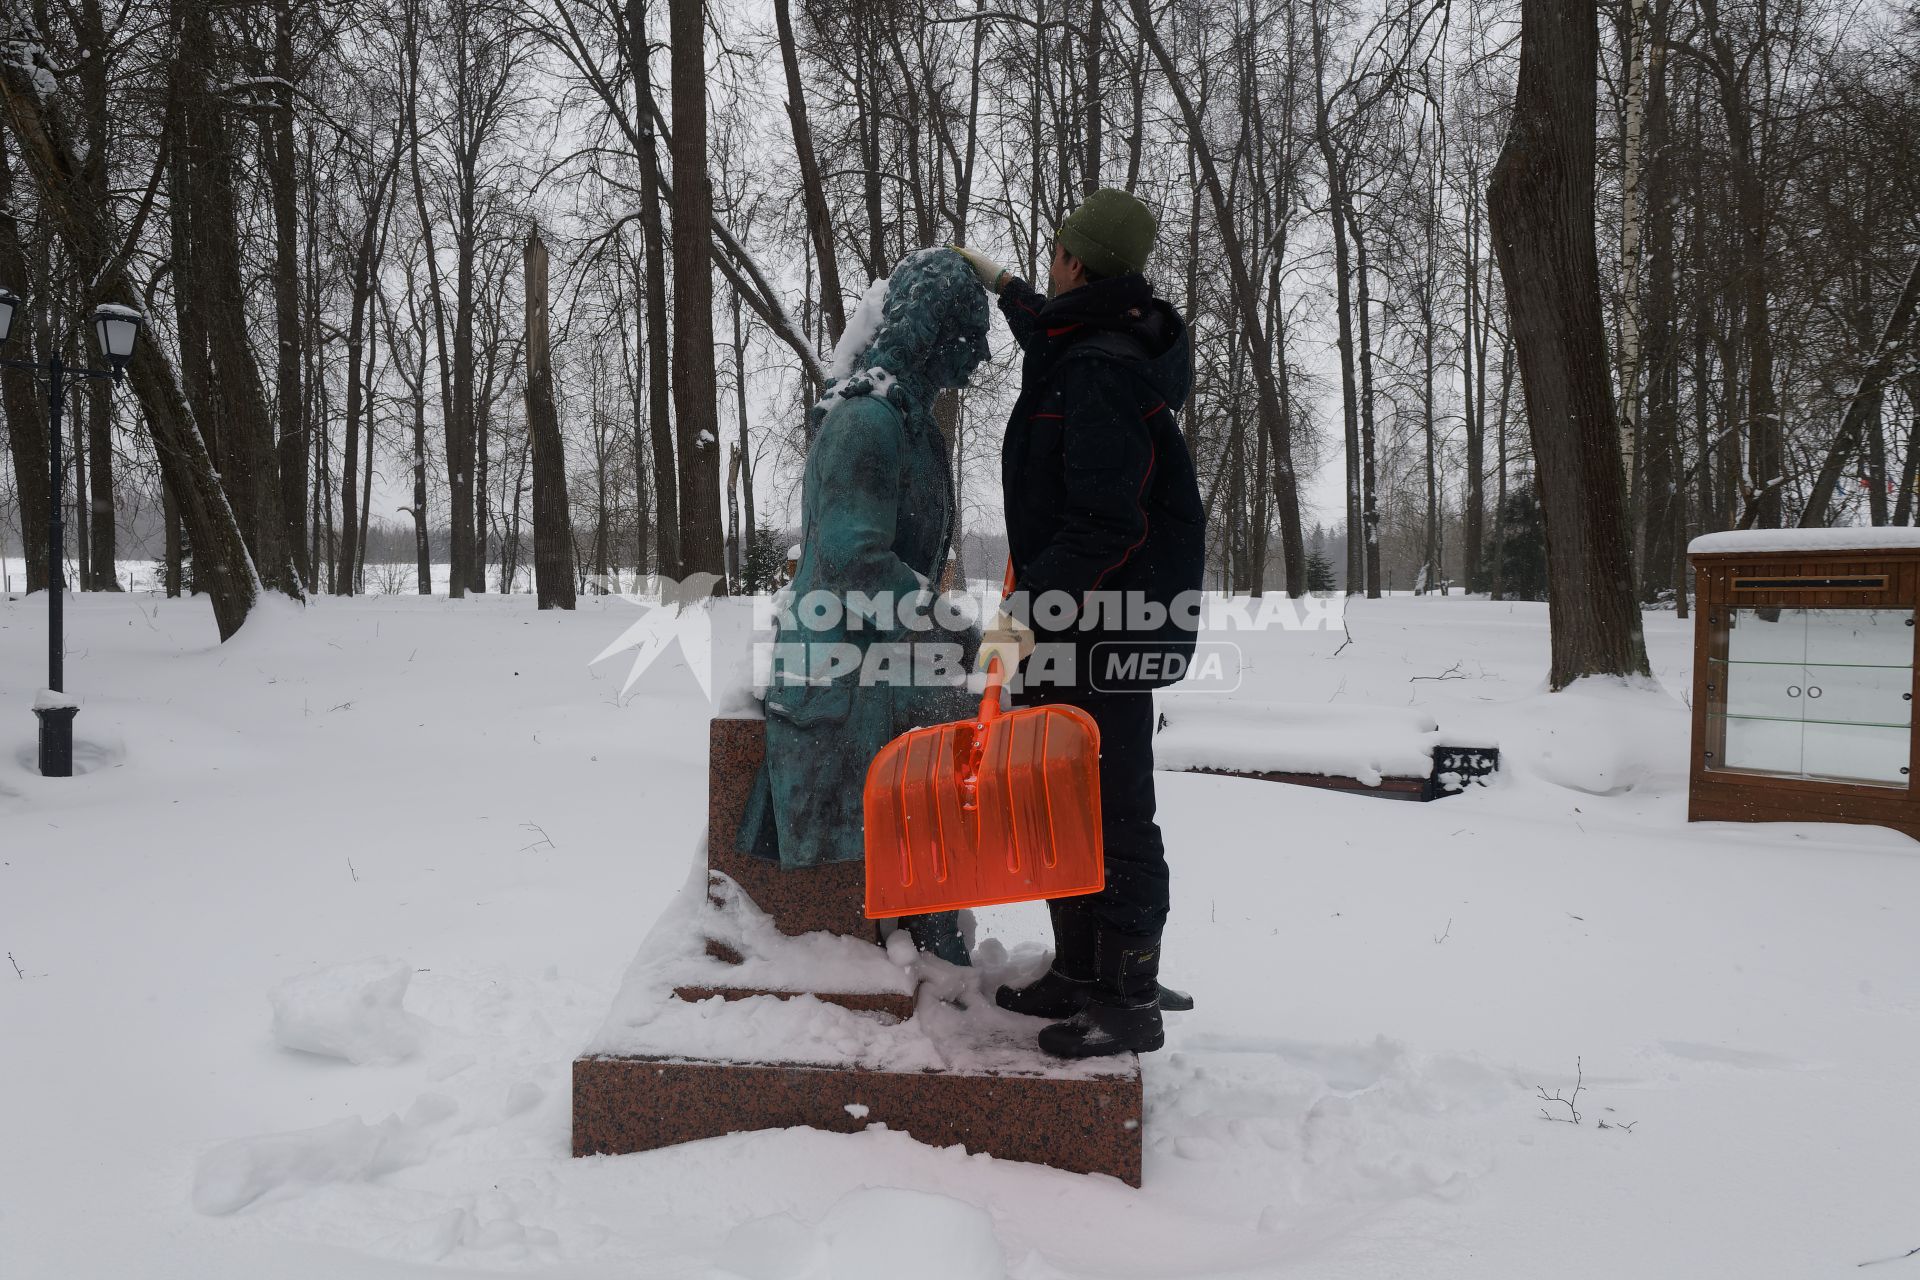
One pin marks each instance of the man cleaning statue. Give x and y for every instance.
(1101, 501)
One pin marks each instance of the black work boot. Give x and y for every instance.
(1123, 1014)
(1064, 989)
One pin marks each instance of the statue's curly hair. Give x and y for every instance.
(932, 334)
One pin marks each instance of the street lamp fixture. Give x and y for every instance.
(115, 328)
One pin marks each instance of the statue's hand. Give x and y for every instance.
(992, 274)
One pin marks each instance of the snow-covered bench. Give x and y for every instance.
(1385, 751)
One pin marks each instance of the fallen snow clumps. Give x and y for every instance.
(235, 1174)
(349, 1011)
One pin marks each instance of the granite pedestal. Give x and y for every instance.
(941, 1064)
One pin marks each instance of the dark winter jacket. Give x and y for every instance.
(1099, 487)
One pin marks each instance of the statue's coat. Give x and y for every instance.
(877, 517)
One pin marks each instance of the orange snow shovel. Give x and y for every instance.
(1002, 808)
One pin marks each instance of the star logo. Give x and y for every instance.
(670, 611)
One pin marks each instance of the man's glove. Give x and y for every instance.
(992, 274)
(1008, 639)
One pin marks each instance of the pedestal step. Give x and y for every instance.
(1080, 1124)
(830, 897)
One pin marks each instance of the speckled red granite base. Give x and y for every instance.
(627, 1104)
(831, 897)
(1083, 1125)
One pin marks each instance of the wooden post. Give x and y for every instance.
(552, 520)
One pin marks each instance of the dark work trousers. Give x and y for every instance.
(1135, 899)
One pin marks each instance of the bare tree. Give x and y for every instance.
(696, 418)
(1540, 208)
(552, 524)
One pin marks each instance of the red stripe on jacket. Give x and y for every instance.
(1140, 501)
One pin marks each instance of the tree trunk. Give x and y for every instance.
(1662, 518)
(285, 193)
(462, 436)
(552, 523)
(1541, 211)
(1498, 586)
(1096, 37)
(222, 566)
(366, 468)
(734, 585)
(1903, 503)
(1356, 574)
(362, 291)
(210, 297)
(100, 492)
(653, 288)
(21, 396)
(1635, 35)
(696, 419)
(1473, 402)
(744, 448)
(422, 548)
(458, 448)
(819, 220)
(173, 551)
(79, 405)
(93, 463)
(1369, 480)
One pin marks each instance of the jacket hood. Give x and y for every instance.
(1153, 336)
(1169, 364)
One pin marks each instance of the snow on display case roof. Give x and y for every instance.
(1849, 538)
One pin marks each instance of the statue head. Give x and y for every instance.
(926, 332)
(936, 317)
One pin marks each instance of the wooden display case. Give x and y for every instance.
(1804, 657)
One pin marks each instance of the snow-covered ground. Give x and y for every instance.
(448, 800)
(391, 579)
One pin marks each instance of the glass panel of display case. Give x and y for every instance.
(1856, 753)
(1859, 695)
(1767, 635)
(1762, 746)
(1859, 637)
(1774, 690)
(1823, 694)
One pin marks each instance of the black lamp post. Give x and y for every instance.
(115, 328)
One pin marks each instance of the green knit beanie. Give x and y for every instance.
(1111, 232)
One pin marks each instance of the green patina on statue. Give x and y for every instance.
(877, 519)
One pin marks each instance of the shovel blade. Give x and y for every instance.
(974, 814)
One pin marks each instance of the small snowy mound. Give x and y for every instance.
(1602, 736)
(875, 1233)
(349, 1011)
